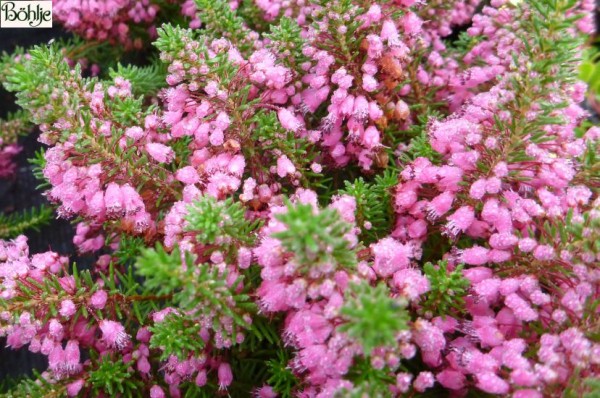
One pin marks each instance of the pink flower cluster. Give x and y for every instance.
(7, 160)
(502, 202)
(36, 326)
(129, 23)
(311, 299)
(53, 324)
(106, 20)
(196, 367)
(9, 148)
(501, 310)
(361, 94)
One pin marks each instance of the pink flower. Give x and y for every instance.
(217, 137)
(64, 361)
(157, 392)
(478, 189)
(403, 381)
(67, 308)
(113, 333)
(265, 392)
(346, 206)
(371, 137)
(491, 383)
(527, 244)
(520, 308)
(72, 357)
(488, 289)
(113, 200)
(503, 241)
(389, 32)
(475, 255)
(187, 175)
(451, 379)
(98, 299)
(222, 121)
(369, 83)
(523, 377)
(132, 200)
(224, 375)
(440, 205)
(411, 283)
(424, 381)
(75, 387)
(460, 221)
(543, 253)
(490, 335)
(527, 393)
(96, 205)
(431, 341)
(272, 296)
(411, 23)
(361, 107)
(288, 120)
(390, 256)
(160, 152)
(135, 133)
(55, 329)
(285, 166)
(143, 365)
(244, 257)
(201, 378)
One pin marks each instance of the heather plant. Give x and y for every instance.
(312, 199)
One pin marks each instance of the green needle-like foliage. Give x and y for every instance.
(221, 21)
(221, 221)
(211, 219)
(286, 38)
(281, 377)
(163, 271)
(373, 317)
(16, 124)
(116, 378)
(36, 386)
(16, 223)
(197, 290)
(368, 381)
(38, 162)
(589, 70)
(176, 335)
(171, 38)
(270, 137)
(593, 386)
(144, 80)
(373, 204)
(447, 289)
(315, 237)
(129, 249)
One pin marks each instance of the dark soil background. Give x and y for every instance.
(20, 193)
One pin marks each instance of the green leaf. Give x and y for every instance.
(315, 237)
(447, 289)
(177, 335)
(372, 317)
(224, 221)
(17, 223)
